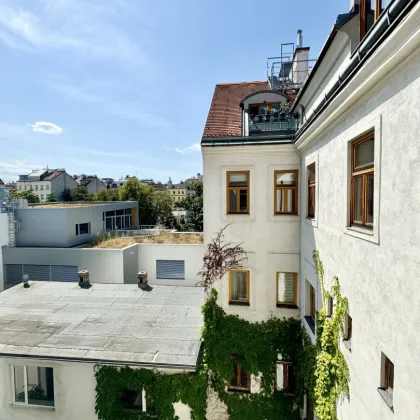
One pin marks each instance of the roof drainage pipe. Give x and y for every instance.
(365, 49)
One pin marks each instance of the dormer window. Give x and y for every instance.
(370, 10)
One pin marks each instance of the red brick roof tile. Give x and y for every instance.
(225, 115)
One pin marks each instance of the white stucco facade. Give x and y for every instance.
(74, 392)
(271, 241)
(378, 268)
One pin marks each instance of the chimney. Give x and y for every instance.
(299, 39)
(25, 279)
(142, 279)
(83, 276)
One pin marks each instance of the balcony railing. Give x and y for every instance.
(283, 123)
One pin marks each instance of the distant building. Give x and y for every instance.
(2, 184)
(177, 192)
(45, 181)
(92, 183)
(108, 182)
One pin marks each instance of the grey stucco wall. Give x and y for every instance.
(59, 184)
(105, 265)
(131, 264)
(56, 227)
(191, 254)
(379, 278)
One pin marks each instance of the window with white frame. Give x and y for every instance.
(33, 385)
(82, 229)
(138, 401)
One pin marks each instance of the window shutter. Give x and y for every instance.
(37, 272)
(170, 269)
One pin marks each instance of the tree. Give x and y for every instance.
(80, 194)
(107, 195)
(67, 194)
(51, 197)
(163, 208)
(28, 195)
(194, 205)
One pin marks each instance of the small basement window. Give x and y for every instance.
(33, 385)
(82, 229)
(386, 388)
(170, 269)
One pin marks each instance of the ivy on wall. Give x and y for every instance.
(320, 369)
(331, 371)
(257, 346)
(161, 390)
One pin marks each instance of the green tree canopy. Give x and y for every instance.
(193, 203)
(51, 197)
(29, 195)
(80, 194)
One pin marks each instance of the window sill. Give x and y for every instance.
(284, 217)
(362, 233)
(286, 306)
(311, 221)
(239, 303)
(347, 344)
(311, 323)
(32, 406)
(242, 391)
(238, 214)
(386, 397)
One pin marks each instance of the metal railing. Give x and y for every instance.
(282, 123)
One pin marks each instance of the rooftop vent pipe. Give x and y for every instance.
(83, 276)
(25, 279)
(142, 279)
(299, 39)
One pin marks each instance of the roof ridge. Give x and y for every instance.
(241, 83)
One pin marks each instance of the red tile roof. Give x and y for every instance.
(225, 115)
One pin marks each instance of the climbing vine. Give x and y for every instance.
(331, 371)
(319, 370)
(161, 391)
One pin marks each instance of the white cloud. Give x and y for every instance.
(18, 167)
(193, 148)
(46, 128)
(79, 25)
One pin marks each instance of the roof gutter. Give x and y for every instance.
(246, 141)
(99, 362)
(386, 23)
(341, 20)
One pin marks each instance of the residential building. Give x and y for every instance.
(92, 183)
(60, 332)
(177, 192)
(326, 158)
(108, 182)
(45, 181)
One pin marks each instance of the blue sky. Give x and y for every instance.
(117, 87)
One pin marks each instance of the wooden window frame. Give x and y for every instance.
(294, 188)
(286, 366)
(311, 185)
(239, 370)
(363, 171)
(286, 304)
(235, 301)
(388, 379)
(348, 328)
(237, 189)
(363, 15)
(312, 302)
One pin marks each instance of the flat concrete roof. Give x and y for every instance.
(61, 205)
(111, 323)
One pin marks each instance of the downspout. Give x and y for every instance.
(359, 56)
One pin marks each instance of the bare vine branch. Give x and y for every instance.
(220, 257)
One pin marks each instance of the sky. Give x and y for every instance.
(123, 87)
